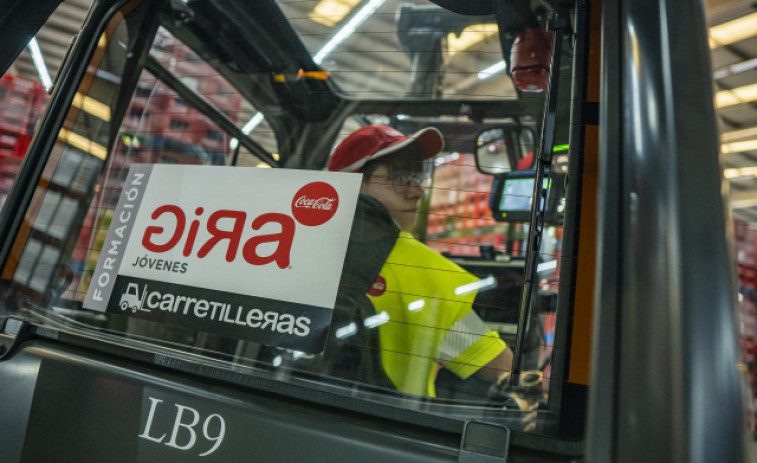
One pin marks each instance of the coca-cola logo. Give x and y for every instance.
(315, 204)
(323, 203)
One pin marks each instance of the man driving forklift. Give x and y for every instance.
(422, 300)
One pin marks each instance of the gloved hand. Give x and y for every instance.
(526, 395)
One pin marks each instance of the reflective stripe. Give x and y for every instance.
(463, 334)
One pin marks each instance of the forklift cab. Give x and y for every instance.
(176, 255)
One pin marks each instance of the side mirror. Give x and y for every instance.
(503, 149)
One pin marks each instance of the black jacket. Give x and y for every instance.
(356, 356)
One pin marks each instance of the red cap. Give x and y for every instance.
(373, 141)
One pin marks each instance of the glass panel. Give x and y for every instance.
(24, 87)
(27, 262)
(425, 311)
(392, 48)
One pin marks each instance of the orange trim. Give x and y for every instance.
(583, 310)
(579, 371)
(318, 75)
(594, 61)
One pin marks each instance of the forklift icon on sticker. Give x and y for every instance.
(130, 299)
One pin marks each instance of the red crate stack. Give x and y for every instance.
(17, 104)
(21, 104)
(482, 211)
(459, 217)
(746, 256)
(172, 119)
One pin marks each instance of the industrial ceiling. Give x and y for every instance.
(733, 35)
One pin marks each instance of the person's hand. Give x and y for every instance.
(526, 395)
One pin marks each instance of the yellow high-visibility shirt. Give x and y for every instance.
(424, 322)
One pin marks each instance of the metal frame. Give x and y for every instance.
(559, 24)
(67, 83)
(18, 21)
(562, 398)
(665, 384)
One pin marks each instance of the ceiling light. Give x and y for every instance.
(471, 35)
(742, 204)
(252, 123)
(733, 31)
(740, 134)
(740, 172)
(92, 106)
(739, 146)
(330, 12)
(736, 68)
(39, 63)
(416, 305)
(84, 144)
(376, 320)
(546, 266)
(248, 128)
(347, 29)
(737, 95)
(491, 70)
(346, 331)
(480, 286)
(439, 160)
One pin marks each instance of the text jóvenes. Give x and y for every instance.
(160, 264)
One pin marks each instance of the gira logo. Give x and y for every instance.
(314, 204)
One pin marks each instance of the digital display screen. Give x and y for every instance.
(513, 197)
(517, 194)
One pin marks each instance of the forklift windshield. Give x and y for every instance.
(158, 225)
